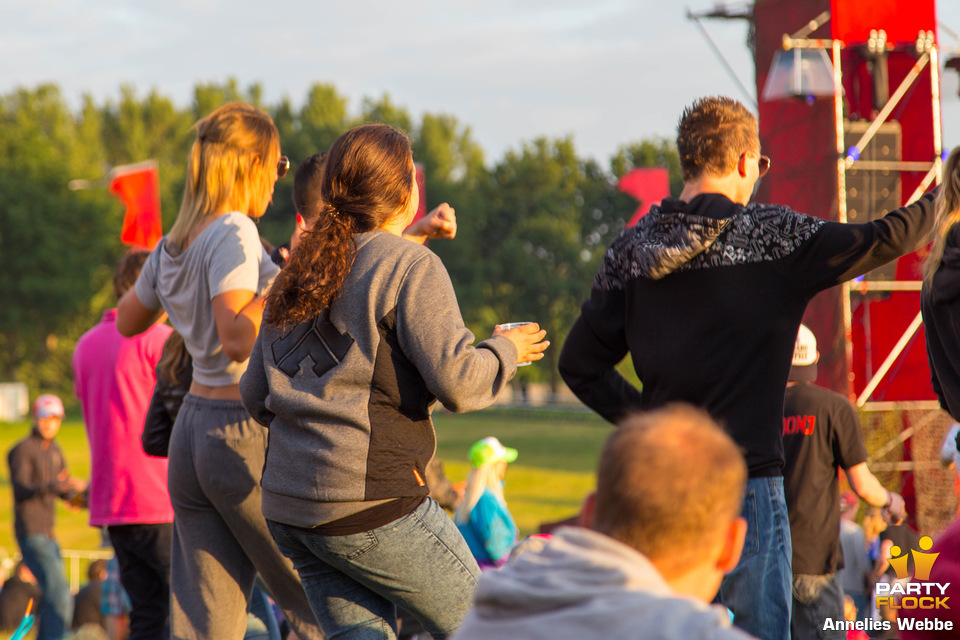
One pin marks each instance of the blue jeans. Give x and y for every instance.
(759, 589)
(261, 623)
(816, 598)
(42, 556)
(355, 582)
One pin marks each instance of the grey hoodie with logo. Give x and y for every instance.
(347, 395)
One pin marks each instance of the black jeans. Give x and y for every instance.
(143, 553)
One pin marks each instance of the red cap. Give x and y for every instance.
(849, 500)
(48, 405)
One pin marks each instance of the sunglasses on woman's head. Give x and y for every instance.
(283, 166)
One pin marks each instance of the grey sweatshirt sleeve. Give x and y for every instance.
(253, 386)
(432, 335)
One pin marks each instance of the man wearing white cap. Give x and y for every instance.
(821, 433)
(39, 476)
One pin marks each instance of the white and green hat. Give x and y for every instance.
(488, 451)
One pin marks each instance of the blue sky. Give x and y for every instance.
(606, 72)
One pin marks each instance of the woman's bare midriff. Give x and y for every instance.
(230, 392)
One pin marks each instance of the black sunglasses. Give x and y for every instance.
(284, 165)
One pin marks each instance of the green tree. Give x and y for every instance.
(383, 110)
(535, 247)
(56, 246)
(532, 228)
(208, 96)
(323, 117)
(312, 129)
(151, 128)
(447, 150)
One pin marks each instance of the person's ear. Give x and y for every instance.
(588, 511)
(301, 222)
(742, 165)
(732, 545)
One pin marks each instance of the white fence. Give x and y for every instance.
(72, 559)
(14, 401)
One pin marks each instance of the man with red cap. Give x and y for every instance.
(39, 476)
(821, 434)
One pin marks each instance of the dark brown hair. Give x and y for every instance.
(97, 570)
(368, 180)
(669, 483)
(127, 270)
(307, 183)
(712, 135)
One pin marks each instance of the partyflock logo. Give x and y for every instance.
(922, 561)
(906, 597)
(919, 593)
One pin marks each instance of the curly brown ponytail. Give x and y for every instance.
(367, 181)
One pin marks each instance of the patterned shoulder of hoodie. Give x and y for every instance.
(664, 243)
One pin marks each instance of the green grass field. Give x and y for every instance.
(557, 463)
(555, 470)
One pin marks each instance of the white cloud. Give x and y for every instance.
(608, 72)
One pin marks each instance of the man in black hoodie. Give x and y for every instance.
(706, 293)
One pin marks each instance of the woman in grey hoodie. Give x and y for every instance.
(362, 335)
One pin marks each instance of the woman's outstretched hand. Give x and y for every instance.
(441, 223)
(528, 339)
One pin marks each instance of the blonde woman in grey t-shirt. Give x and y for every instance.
(210, 275)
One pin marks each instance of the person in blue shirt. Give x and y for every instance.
(483, 517)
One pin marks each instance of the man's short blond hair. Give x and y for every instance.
(712, 135)
(670, 483)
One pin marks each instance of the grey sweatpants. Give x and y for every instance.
(220, 538)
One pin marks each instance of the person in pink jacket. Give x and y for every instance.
(114, 379)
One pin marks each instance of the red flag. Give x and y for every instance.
(649, 186)
(138, 187)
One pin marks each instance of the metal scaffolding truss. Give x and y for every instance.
(849, 158)
(928, 417)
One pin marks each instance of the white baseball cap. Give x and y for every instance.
(805, 356)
